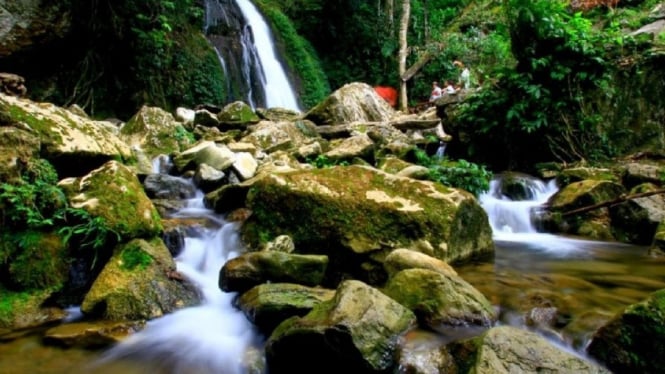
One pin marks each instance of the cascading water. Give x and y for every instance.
(508, 216)
(244, 45)
(512, 219)
(278, 90)
(214, 337)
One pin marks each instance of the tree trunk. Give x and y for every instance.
(403, 51)
(422, 61)
(390, 12)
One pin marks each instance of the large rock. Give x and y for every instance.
(73, 144)
(155, 132)
(440, 299)
(351, 103)
(237, 115)
(251, 269)
(26, 24)
(21, 310)
(17, 147)
(596, 223)
(636, 220)
(135, 284)
(275, 136)
(360, 210)
(356, 331)
(92, 335)
(114, 193)
(402, 259)
(217, 156)
(269, 304)
(634, 340)
(506, 349)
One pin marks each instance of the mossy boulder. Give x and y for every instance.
(585, 193)
(356, 331)
(440, 300)
(357, 210)
(20, 310)
(658, 243)
(17, 146)
(506, 349)
(402, 259)
(237, 115)
(37, 260)
(281, 136)
(634, 340)
(251, 269)
(595, 223)
(115, 194)
(135, 284)
(155, 132)
(578, 174)
(91, 335)
(353, 102)
(267, 305)
(518, 186)
(74, 144)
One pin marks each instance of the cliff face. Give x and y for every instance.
(636, 113)
(28, 24)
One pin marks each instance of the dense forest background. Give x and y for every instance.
(557, 80)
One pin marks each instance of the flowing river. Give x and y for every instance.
(578, 283)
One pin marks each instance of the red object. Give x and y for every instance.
(388, 93)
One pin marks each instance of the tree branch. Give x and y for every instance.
(618, 200)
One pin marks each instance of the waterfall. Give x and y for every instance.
(244, 45)
(512, 219)
(508, 216)
(214, 337)
(278, 90)
(440, 151)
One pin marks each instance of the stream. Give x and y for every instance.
(563, 288)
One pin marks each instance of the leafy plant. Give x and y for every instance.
(133, 257)
(322, 161)
(31, 212)
(457, 174)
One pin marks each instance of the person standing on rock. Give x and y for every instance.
(465, 75)
(436, 92)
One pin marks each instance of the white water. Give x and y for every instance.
(511, 220)
(211, 338)
(441, 151)
(278, 90)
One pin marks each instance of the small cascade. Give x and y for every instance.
(512, 219)
(510, 216)
(214, 337)
(440, 152)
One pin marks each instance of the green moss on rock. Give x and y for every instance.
(634, 340)
(364, 211)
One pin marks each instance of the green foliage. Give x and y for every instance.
(300, 55)
(457, 174)
(34, 202)
(322, 161)
(31, 211)
(10, 301)
(539, 104)
(87, 231)
(133, 257)
(182, 135)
